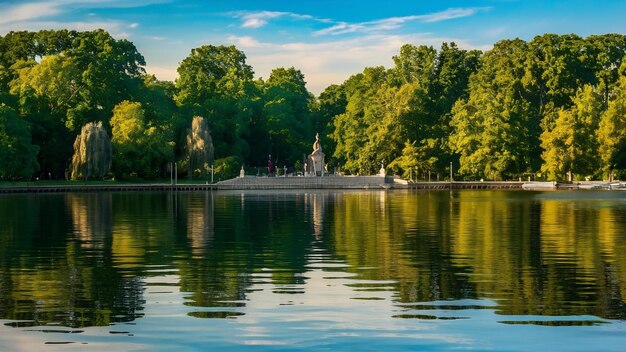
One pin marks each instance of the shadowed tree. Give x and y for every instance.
(289, 119)
(92, 152)
(17, 155)
(611, 133)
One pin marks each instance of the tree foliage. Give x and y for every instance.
(17, 154)
(571, 145)
(140, 150)
(551, 105)
(611, 133)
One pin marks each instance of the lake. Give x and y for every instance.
(313, 270)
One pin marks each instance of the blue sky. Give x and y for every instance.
(327, 40)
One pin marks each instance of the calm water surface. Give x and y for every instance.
(336, 270)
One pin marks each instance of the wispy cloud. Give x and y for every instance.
(28, 11)
(261, 18)
(450, 14)
(391, 23)
(39, 14)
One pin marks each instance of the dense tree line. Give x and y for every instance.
(551, 108)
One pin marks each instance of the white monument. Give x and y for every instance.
(315, 161)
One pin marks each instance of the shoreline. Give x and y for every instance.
(270, 183)
(312, 183)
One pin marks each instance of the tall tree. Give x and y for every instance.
(571, 147)
(139, 149)
(17, 154)
(611, 133)
(289, 120)
(350, 135)
(493, 129)
(215, 82)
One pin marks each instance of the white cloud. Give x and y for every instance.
(332, 62)
(155, 37)
(42, 14)
(451, 14)
(391, 23)
(28, 11)
(261, 18)
(245, 42)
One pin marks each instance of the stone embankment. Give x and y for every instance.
(263, 183)
(326, 182)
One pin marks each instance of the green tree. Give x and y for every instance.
(571, 147)
(17, 154)
(139, 149)
(493, 129)
(215, 82)
(332, 102)
(63, 79)
(452, 71)
(286, 110)
(611, 133)
(412, 162)
(350, 132)
(414, 64)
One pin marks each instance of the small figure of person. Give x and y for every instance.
(270, 166)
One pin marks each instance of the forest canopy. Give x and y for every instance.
(551, 108)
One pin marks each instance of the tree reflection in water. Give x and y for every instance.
(83, 259)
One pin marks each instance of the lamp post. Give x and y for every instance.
(450, 171)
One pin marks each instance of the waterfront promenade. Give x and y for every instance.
(266, 183)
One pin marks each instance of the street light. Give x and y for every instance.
(450, 171)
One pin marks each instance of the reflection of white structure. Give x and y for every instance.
(319, 201)
(315, 161)
(315, 204)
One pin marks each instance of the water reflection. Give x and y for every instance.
(81, 260)
(92, 218)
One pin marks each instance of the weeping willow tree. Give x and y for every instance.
(199, 147)
(92, 152)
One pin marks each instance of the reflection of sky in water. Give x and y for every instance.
(346, 271)
(326, 316)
